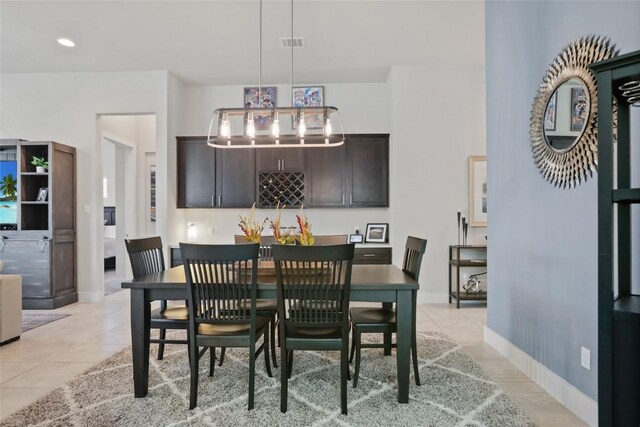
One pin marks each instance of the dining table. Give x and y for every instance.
(384, 283)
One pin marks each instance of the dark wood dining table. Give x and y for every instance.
(373, 283)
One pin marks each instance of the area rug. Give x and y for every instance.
(32, 321)
(454, 392)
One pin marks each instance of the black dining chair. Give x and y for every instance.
(266, 307)
(147, 258)
(313, 285)
(382, 320)
(222, 289)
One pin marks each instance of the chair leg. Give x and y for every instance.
(252, 373)
(273, 340)
(387, 343)
(284, 377)
(222, 351)
(414, 353)
(193, 391)
(163, 334)
(353, 343)
(267, 362)
(344, 373)
(289, 363)
(212, 360)
(356, 373)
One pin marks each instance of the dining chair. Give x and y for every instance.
(313, 285)
(266, 307)
(146, 258)
(222, 289)
(330, 239)
(382, 320)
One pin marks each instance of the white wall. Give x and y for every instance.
(438, 121)
(64, 107)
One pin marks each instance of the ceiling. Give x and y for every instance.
(216, 42)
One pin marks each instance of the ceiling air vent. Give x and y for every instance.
(286, 42)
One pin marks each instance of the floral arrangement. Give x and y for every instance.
(305, 237)
(250, 227)
(285, 238)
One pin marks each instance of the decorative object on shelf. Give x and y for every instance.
(631, 91)
(40, 163)
(472, 284)
(465, 229)
(309, 96)
(567, 156)
(258, 124)
(42, 195)
(377, 233)
(459, 215)
(478, 191)
(250, 227)
(356, 238)
(192, 232)
(283, 235)
(305, 237)
(266, 99)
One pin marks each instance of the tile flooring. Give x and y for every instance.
(48, 356)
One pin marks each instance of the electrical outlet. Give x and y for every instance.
(585, 358)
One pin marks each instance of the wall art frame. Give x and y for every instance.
(377, 233)
(478, 191)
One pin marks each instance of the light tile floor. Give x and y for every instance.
(48, 356)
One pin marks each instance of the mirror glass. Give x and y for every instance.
(566, 114)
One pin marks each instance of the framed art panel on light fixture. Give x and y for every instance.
(377, 233)
(309, 96)
(478, 191)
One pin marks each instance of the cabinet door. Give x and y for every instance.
(280, 159)
(236, 177)
(325, 177)
(196, 173)
(368, 170)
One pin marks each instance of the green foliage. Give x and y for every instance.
(40, 161)
(8, 186)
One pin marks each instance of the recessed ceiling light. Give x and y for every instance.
(66, 42)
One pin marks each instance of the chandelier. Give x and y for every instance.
(275, 127)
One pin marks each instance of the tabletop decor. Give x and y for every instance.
(285, 237)
(251, 229)
(377, 233)
(305, 237)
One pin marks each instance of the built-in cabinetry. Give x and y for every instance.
(355, 174)
(362, 255)
(42, 246)
(462, 257)
(618, 305)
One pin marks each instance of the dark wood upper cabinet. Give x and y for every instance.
(325, 177)
(280, 159)
(236, 177)
(196, 173)
(367, 168)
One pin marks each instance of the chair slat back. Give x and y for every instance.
(221, 281)
(145, 255)
(413, 252)
(313, 284)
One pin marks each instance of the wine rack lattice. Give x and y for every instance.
(284, 187)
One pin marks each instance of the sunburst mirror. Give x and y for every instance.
(563, 127)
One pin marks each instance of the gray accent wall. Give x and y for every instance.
(543, 240)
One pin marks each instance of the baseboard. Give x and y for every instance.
(433, 297)
(572, 398)
(93, 296)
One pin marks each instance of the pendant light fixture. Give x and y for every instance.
(267, 127)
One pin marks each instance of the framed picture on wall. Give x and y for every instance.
(266, 99)
(579, 108)
(550, 113)
(478, 191)
(377, 233)
(309, 96)
(152, 193)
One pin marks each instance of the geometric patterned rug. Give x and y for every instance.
(32, 321)
(454, 392)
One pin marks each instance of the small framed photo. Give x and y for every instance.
(377, 233)
(356, 238)
(42, 195)
(266, 99)
(309, 96)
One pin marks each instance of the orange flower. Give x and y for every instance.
(250, 227)
(305, 237)
(282, 238)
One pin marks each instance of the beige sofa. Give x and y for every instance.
(10, 308)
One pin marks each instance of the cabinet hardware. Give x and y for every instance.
(213, 202)
(350, 199)
(342, 199)
(278, 164)
(219, 201)
(368, 255)
(282, 164)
